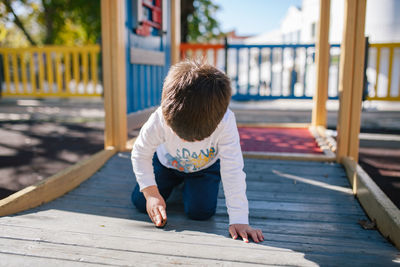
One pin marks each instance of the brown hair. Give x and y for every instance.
(195, 98)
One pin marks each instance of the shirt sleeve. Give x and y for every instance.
(150, 137)
(232, 175)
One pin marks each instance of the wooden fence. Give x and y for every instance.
(287, 71)
(50, 71)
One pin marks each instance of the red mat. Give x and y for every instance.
(283, 140)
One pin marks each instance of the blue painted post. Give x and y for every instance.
(259, 69)
(237, 72)
(282, 69)
(248, 70)
(293, 75)
(305, 72)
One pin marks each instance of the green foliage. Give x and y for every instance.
(202, 25)
(36, 22)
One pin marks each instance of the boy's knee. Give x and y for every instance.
(199, 214)
(138, 200)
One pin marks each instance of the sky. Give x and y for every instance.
(251, 17)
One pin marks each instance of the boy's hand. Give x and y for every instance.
(155, 206)
(245, 230)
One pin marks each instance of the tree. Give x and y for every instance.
(54, 21)
(198, 23)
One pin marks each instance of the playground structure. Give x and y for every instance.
(102, 200)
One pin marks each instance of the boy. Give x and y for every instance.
(196, 141)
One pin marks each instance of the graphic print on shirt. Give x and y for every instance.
(186, 161)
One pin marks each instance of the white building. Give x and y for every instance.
(300, 23)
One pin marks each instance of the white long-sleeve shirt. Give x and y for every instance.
(175, 153)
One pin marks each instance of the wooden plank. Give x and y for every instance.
(107, 77)
(358, 80)
(97, 223)
(288, 156)
(118, 72)
(266, 125)
(377, 205)
(54, 186)
(346, 73)
(175, 30)
(322, 50)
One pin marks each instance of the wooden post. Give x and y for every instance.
(322, 65)
(175, 30)
(114, 69)
(351, 80)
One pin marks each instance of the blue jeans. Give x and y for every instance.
(200, 190)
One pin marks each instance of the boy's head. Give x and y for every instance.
(195, 98)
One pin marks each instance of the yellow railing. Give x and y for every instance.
(51, 71)
(383, 72)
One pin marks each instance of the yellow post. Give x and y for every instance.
(7, 72)
(175, 30)
(67, 63)
(23, 73)
(351, 79)
(93, 57)
(85, 71)
(33, 73)
(59, 74)
(76, 71)
(15, 72)
(114, 80)
(41, 73)
(49, 72)
(322, 65)
(378, 64)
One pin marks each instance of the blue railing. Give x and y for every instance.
(283, 71)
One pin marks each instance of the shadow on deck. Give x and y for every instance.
(305, 209)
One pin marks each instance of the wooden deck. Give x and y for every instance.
(305, 209)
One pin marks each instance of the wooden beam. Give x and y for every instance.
(106, 59)
(288, 156)
(346, 76)
(175, 30)
(322, 66)
(377, 205)
(54, 186)
(114, 66)
(358, 80)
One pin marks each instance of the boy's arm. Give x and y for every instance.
(234, 183)
(150, 137)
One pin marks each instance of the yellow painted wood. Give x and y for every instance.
(85, 70)
(50, 74)
(345, 79)
(15, 72)
(175, 30)
(67, 73)
(106, 54)
(41, 74)
(6, 72)
(322, 66)
(118, 74)
(23, 73)
(374, 201)
(58, 74)
(75, 69)
(50, 71)
(33, 73)
(390, 71)
(54, 186)
(93, 67)
(358, 80)
(378, 64)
